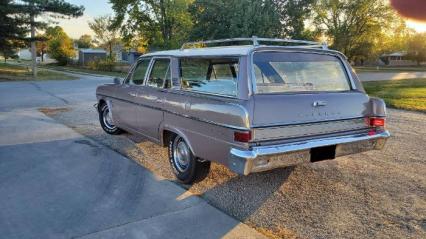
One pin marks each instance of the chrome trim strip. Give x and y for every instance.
(301, 130)
(274, 125)
(297, 146)
(178, 114)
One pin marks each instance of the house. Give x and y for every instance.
(24, 54)
(396, 59)
(85, 56)
(131, 56)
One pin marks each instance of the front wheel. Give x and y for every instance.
(184, 164)
(106, 122)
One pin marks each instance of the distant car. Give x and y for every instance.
(249, 107)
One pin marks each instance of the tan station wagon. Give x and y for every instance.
(253, 106)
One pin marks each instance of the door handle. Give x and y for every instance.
(133, 94)
(158, 100)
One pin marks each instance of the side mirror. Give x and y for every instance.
(117, 81)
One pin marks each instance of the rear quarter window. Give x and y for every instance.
(210, 75)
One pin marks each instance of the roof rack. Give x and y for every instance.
(256, 42)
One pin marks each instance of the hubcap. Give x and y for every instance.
(181, 154)
(107, 119)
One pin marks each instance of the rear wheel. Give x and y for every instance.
(186, 167)
(106, 121)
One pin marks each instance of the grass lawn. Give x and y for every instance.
(10, 72)
(390, 68)
(409, 94)
(84, 70)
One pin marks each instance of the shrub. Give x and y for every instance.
(102, 64)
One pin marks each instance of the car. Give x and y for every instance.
(251, 104)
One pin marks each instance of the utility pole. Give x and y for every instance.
(33, 43)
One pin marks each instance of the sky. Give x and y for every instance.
(93, 8)
(76, 27)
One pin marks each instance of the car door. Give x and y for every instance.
(125, 105)
(151, 98)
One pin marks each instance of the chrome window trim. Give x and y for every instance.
(236, 96)
(132, 69)
(324, 52)
(151, 65)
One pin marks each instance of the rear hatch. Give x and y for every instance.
(302, 94)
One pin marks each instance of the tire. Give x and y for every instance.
(186, 167)
(106, 122)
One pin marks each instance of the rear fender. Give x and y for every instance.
(377, 107)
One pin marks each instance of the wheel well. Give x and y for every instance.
(101, 102)
(167, 136)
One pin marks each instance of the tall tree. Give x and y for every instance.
(40, 13)
(417, 48)
(353, 25)
(163, 23)
(12, 28)
(59, 46)
(85, 41)
(235, 18)
(293, 15)
(105, 32)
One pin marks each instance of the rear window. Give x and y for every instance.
(212, 76)
(281, 72)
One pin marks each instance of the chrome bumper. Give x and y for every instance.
(263, 158)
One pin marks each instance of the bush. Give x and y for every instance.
(102, 64)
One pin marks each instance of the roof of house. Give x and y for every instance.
(402, 53)
(91, 50)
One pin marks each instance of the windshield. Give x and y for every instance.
(280, 72)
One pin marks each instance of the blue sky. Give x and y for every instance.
(78, 26)
(94, 7)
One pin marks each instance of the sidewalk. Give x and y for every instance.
(56, 183)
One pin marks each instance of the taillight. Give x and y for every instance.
(375, 122)
(242, 136)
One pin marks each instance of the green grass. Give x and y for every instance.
(390, 68)
(409, 94)
(10, 72)
(77, 69)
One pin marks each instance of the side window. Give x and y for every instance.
(160, 75)
(139, 72)
(215, 76)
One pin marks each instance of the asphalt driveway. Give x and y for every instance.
(57, 183)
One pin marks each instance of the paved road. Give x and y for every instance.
(56, 183)
(377, 76)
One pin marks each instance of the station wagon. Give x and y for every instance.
(254, 106)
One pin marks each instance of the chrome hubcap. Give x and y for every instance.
(107, 119)
(181, 155)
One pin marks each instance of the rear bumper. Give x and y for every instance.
(263, 158)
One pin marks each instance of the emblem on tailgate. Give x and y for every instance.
(319, 103)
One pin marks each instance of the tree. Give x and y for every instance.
(163, 23)
(235, 18)
(106, 33)
(85, 41)
(59, 46)
(353, 25)
(41, 46)
(417, 48)
(40, 12)
(12, 28)
(8, 49)
(293, 15)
